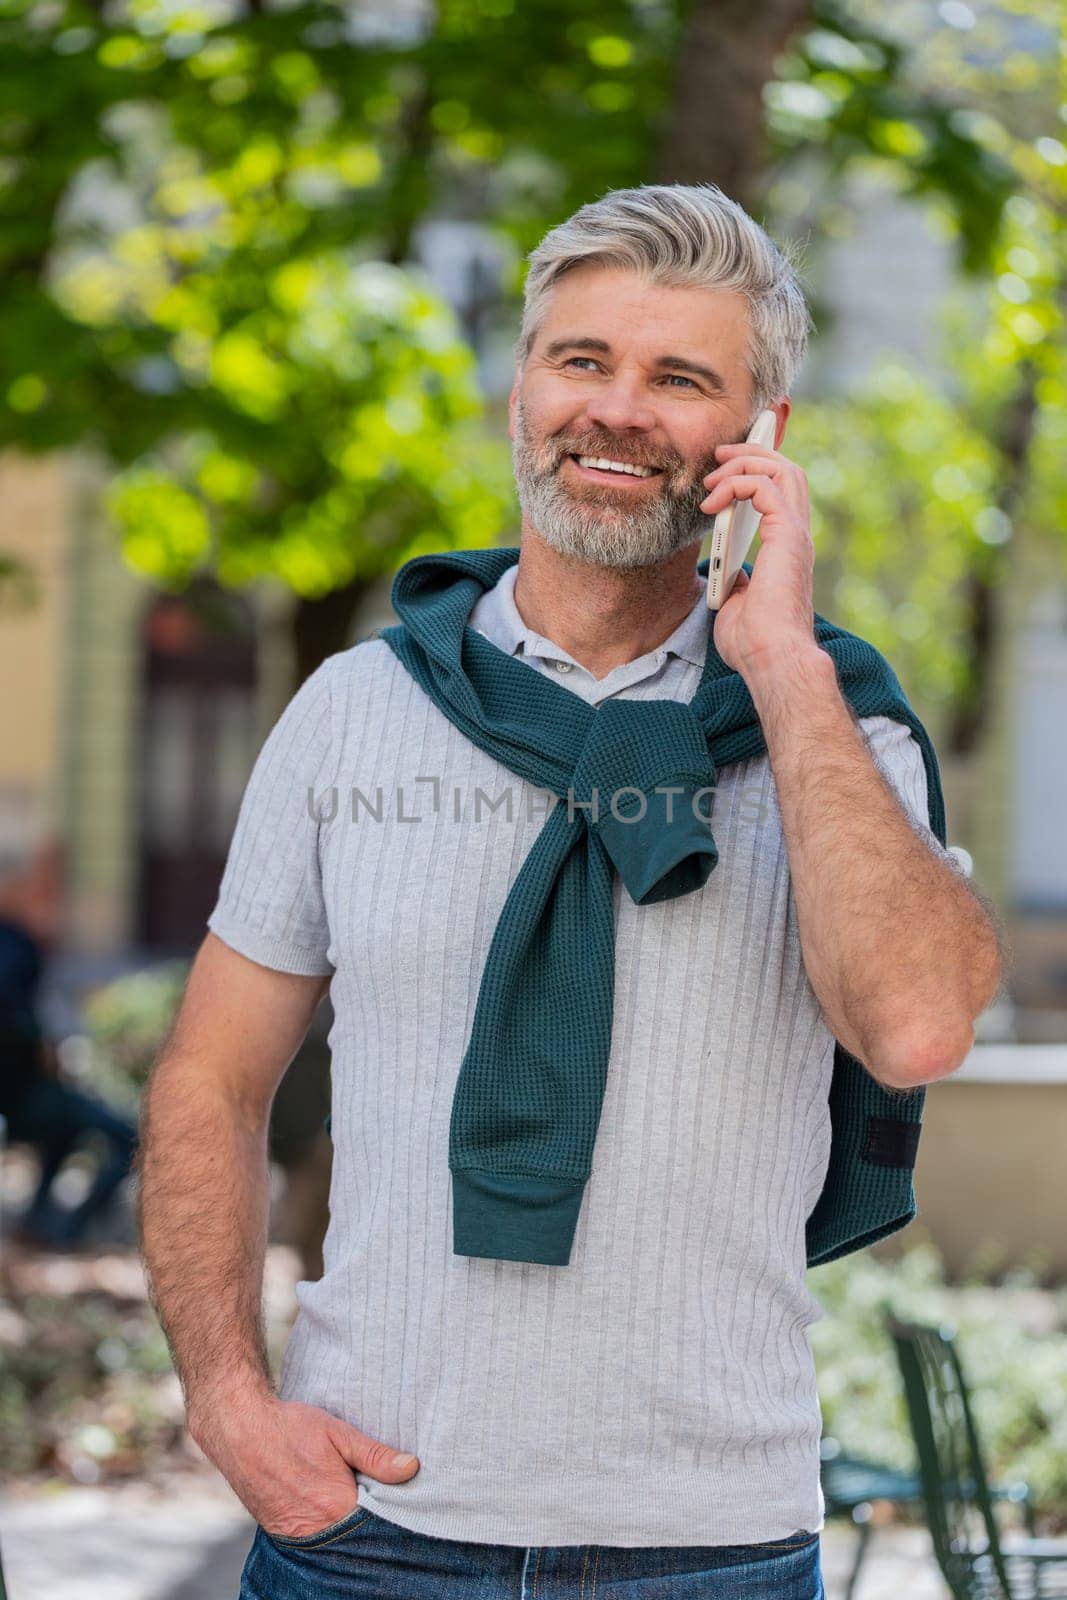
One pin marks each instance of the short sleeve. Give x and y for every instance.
(270, 905)
(900, 760)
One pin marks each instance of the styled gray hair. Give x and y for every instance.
(684, 236)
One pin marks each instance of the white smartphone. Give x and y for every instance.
(735, 527)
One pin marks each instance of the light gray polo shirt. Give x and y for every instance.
(497, 617)
(660, 1388)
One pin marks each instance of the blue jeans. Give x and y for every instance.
(364, 1557)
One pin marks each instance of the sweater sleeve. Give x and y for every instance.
(270, 904)
(898, 757)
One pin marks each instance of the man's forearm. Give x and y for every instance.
(203, 1211)
(898, 950)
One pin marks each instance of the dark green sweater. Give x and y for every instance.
(528, 1098)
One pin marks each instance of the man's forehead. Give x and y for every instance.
(691, 323)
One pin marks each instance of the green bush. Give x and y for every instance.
(1017, 1376)
(88, 1393)
(85, 1387)
(126, 1023)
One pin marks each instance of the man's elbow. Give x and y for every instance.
(912, 1062)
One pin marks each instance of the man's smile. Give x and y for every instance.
(627, 474)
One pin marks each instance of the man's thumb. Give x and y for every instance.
(381, 1461)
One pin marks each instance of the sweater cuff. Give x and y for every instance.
(515, 1218)
(656, 859)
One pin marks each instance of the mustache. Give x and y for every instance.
(669, 463)
(611, 450)
(670, 466)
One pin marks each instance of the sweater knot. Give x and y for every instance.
(644, 784)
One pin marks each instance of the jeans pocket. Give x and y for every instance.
(793, 1541)
(336, 1530)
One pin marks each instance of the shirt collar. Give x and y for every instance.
(496, 616)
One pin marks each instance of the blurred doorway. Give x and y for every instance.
(199, 673)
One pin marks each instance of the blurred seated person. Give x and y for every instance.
(39, 1108)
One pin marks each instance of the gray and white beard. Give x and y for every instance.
(597, 525)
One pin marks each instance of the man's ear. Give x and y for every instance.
(782, 409)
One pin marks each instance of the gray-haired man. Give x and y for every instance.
(645, 1416)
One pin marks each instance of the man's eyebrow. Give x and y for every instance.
(680, 363)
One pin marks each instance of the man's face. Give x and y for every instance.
(595, 384)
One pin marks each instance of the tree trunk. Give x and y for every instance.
(726, 57)
(970, 713)
(322, 626)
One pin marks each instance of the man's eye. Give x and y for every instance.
(672, 377)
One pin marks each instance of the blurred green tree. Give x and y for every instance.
(207, 215)
(924, 499)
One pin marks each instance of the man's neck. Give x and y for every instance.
(603, 616)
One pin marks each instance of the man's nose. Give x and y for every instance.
(622, 403)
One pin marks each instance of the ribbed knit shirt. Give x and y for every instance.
(659, 1389)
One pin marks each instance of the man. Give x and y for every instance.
(571, 1281)
(37, 1107)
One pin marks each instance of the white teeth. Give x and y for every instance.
(615, 466)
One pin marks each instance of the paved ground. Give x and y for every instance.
(187, 1541)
